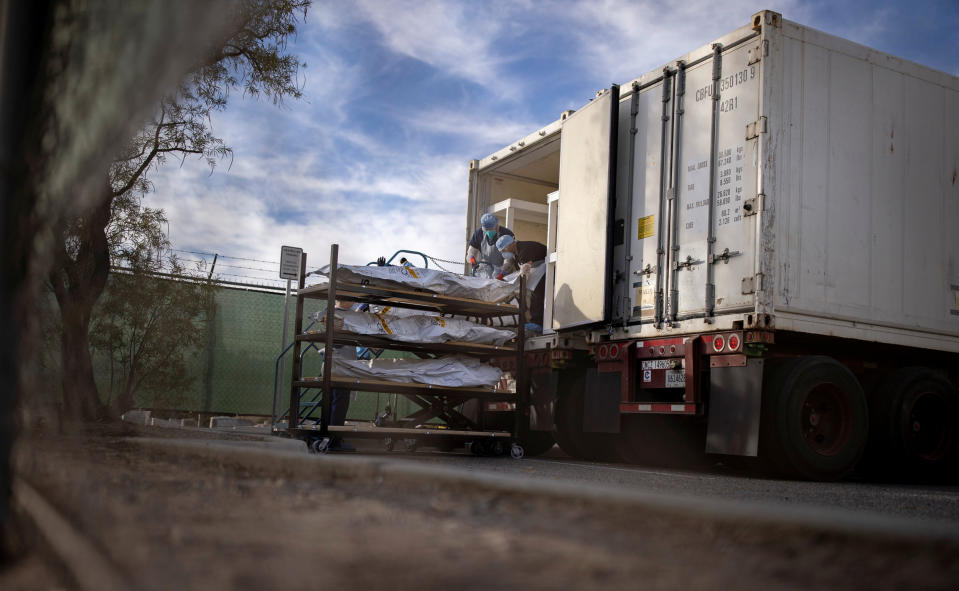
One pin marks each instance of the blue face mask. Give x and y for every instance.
(490, 234)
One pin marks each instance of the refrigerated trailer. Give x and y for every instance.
(753, 251)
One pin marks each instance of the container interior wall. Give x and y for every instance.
(528, 178)
(866, 191)
(503, 189)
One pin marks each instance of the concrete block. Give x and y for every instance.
(173, 424)
(228, 422)
(139, 417)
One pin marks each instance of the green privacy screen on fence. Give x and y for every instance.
(233, 371)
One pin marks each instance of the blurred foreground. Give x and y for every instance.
(169, 518)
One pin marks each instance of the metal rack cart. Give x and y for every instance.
(434, 402)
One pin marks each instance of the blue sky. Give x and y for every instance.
(398, 97)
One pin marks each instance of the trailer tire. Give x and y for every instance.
(815, 421)
(915, 425)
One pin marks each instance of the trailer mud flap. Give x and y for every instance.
(542, 400)
(601, 402)
(735, 394)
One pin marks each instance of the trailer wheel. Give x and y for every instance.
(915, 424)
(814, 419)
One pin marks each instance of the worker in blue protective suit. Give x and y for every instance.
(482, 245)
(522, 255)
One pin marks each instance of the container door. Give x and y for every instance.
(647, 229)
(586, 186)
(713, 242)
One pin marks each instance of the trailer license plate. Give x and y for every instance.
(657, 364)
(675, 379)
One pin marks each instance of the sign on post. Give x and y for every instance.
(290, 262)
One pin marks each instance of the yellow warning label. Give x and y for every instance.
(646, 227)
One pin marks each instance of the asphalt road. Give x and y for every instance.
(933, 502)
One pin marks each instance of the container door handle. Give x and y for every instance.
(724, 256)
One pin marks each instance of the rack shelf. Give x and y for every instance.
(408, 298)
(490, 394)
(379, 342)
(435, 401)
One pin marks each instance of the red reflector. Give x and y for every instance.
(614, 351)
(733, 341)
(603, 351)
(662, 350)
(718, 343)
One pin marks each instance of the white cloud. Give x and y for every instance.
(206, 215)
(477, 125)
(622, 39)
(443, 34)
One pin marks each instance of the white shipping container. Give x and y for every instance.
(777, 178)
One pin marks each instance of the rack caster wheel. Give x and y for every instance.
(516, 451)
(411, 445)
(320, 445)
(498, 447)
(388, 444)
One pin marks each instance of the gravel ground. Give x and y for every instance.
(174, 520)
(933, 502)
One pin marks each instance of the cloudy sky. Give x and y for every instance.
(398, 97)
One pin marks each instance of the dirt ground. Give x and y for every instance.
(181, 521)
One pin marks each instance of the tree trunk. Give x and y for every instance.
(79, 276)
(124, 400)
(81, 398)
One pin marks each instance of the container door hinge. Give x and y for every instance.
(757, 52)
(753, 206)
(755, 128)
(752, 284)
